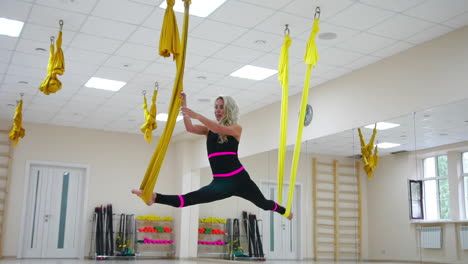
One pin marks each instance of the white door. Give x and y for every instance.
(54, 202)
(280, 234)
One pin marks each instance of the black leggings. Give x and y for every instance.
(221, 188)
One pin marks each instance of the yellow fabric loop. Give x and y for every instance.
(311, 57)
(169, 42)
(370, 160)
(154, 166)
(150, 117)
(59, 60)
(50, 84)
(17, 131)
(283, 77)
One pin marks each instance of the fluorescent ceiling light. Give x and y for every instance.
(163, 117)
(253, 73)
(104, 84)
(198, 8)
(10, 27)
(383, 125)
(386, 145)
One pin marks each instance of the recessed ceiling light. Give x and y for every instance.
(11, 105)
(253, 73)
(126, 65)
(40, 49)
(383, 125)
(427, 115)
(10, 27)
(197, 8)
(203, 100)
(386, 145)
(23, 82)
(327, 36)
(104, 84)
(163, 117)
(131, 120)
(201, 77)
(260, 42)
(443, 134)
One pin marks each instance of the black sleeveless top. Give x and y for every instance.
(223, 158)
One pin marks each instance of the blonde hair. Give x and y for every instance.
(231, 114)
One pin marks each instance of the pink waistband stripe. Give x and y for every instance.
(276, 207)
(181, 201)
(221, 154)
(230, 173)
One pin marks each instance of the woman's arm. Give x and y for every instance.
(195, 129)
(232, 130)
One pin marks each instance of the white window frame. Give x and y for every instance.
(437, 178)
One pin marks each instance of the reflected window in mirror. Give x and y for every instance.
(465, 181)
(416, 200)
(436, 188)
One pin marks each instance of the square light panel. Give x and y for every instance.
(198, 8)
(254, 73)
(163, 117)
(383, 125)
(386, 145)
(104, 84)
(10, 27)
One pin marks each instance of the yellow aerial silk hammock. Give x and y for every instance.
(56, 65)
(371, 161)
(311, 57)
(17, 131)
(169, 44)
(150, 116)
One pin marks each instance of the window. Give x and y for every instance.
(465, 181)
(436, 188)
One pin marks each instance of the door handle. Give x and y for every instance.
(46, 217)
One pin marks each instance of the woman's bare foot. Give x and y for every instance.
(139, 192)
(290, 216)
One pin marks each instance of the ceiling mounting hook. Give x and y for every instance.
(317, 12)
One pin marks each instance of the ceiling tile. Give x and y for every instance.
(43, 34)
(160, 69)
(259, 40)
(394, 5)
(366, 43)
(5, 55)
(107, 28)
(122, 10)
(138, 52)
(335, 73)
(338, 57)
(13, 9)
(125, 63)
(30, 60)
(429, 34)
(50, 17)
(235, 82)
(251, 14)
(307, 8)
(276, 24)
(400, 27)
(3, 68)
(30, 46)
(21, 70)
(96, 44)
(219, 66)
(438, 11)
(115, 74)
(203, 47)
(192, 61)
(360, 17)
(238, 54)
(393, 49)
(146, 36)
(81, 6)
(342, 33)
(86, 91)
(362, 62)
(73, 67)
(7, 42)
(85, 56)
(225, 33)
(155, 20)
(458, 21)
(201, 77)
(273, 4)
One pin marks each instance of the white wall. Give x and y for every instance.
(117, 163)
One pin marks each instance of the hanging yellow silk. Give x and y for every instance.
(370, 160)
(154, 166)
(311, 57)
(50, 84)
(17, 131)
(283, 77)
(150, 117)
(169, 42)
(59, 60)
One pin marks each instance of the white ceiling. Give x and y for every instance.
(101, 36)
(430, 128)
